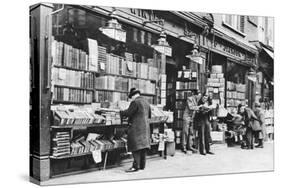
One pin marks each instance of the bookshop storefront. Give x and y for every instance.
(235, 63)
(87, 72)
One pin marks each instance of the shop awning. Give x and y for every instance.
(269, 52)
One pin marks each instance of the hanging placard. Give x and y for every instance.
(115, 34)
(163, 49)
(198, 60)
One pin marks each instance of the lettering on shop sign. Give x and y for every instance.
(229, 51)
(145, 14)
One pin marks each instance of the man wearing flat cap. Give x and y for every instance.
(138, 113)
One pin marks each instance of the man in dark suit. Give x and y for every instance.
(138, 113)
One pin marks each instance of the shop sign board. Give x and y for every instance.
(226, 50)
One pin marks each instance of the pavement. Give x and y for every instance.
(226, 160)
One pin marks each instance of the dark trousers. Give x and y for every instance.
(185, 139)
(258, 135)
(139, 159)
(249, 137)
(204, 136)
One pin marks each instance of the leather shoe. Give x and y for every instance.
(259, 146)
(202, 153)
(211, 153)
(131, 170)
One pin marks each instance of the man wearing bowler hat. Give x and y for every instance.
(138, 113)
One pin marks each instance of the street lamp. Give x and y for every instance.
(113, 29)
(252, 75)
(162, 45)
(195, 56)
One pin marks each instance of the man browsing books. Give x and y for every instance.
(138, 113)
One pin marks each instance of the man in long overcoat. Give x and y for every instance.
(260, 134)
(138, 113)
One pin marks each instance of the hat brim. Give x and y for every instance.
(133, 93)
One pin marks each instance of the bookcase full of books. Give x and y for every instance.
(80, 80)
(187, 82)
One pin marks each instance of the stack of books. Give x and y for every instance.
(112, 117)
(61, 144)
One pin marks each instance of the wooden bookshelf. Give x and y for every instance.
(81, 126)
(73, 87)
(83, 154)
(69, 102)
(124, 76)
(120, 91)
(97, 125)
(74, 69)
(186, 89)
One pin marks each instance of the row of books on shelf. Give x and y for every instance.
(120, 66)
(123, 84)
(66, 77)
(215, 89)
(94, 114)
(87, 146)
(216, 76)
(112, 83)
(61, 144)
(99, 61)
(72, 95)
(215, 84)
(235, 95)
(68, 56)
(231, 86)
(187, 74)
(77, 116)
(186, 85)
(145, 86)
(183, 94)
(110, 96)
